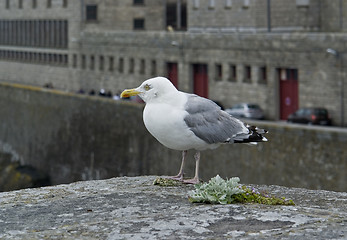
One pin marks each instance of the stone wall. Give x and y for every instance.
(120, 15)
(251, 16)
(77, 137)
(333, 14)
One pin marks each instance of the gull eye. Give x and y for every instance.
(147, 87)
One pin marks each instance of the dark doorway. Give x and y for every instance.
(172, 72)
(289, 92)
(200, 80)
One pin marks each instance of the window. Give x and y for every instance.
(74, 60)
(49, 3)
(65, 59)
(34, 58)
(60, 59)
(39, 57)
(91, 12)
(64, 3)
(139, 2)
(153, 68)
(302, 3)
(121, 65)
(34, 3)
(211, 4)
(139, 24)
(44, 57)
(228, 3)
(50, 58)
(20, 3)
(131, 65)
(83, 61)
(142, 66)
(246, 4)
(232, 73)
(7, 4)
(247, 74)
(262, 75)
(111, 63)
(218, 72)
(196, 4)
(34, 33)
(55, 58)
(176, 16)
(92, 63)
(101, 63)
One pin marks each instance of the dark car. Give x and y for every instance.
(316, 116)
(246, 110)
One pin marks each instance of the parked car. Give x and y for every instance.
(246, 110)
(317, 116)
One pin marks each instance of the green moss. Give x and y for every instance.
(166, 182)
(253, 196)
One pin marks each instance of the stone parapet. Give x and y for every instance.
(74, 137)
(133, 208)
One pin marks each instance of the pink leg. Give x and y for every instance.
(195, 180)
(180, 174)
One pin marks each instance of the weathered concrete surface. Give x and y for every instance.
(133, 208)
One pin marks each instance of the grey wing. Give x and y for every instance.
(210, 123)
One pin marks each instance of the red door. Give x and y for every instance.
(200, 80)
(289, 100)
(172, 73)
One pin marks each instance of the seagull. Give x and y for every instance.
(184, 121)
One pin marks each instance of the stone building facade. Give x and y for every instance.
(228, 50)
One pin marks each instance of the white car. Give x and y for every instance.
(246, 110)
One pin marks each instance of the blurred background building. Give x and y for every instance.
(281, 54)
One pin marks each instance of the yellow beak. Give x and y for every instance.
(129, 92)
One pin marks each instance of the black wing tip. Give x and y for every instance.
(255, 135)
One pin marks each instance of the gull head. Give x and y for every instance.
(151, 89)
